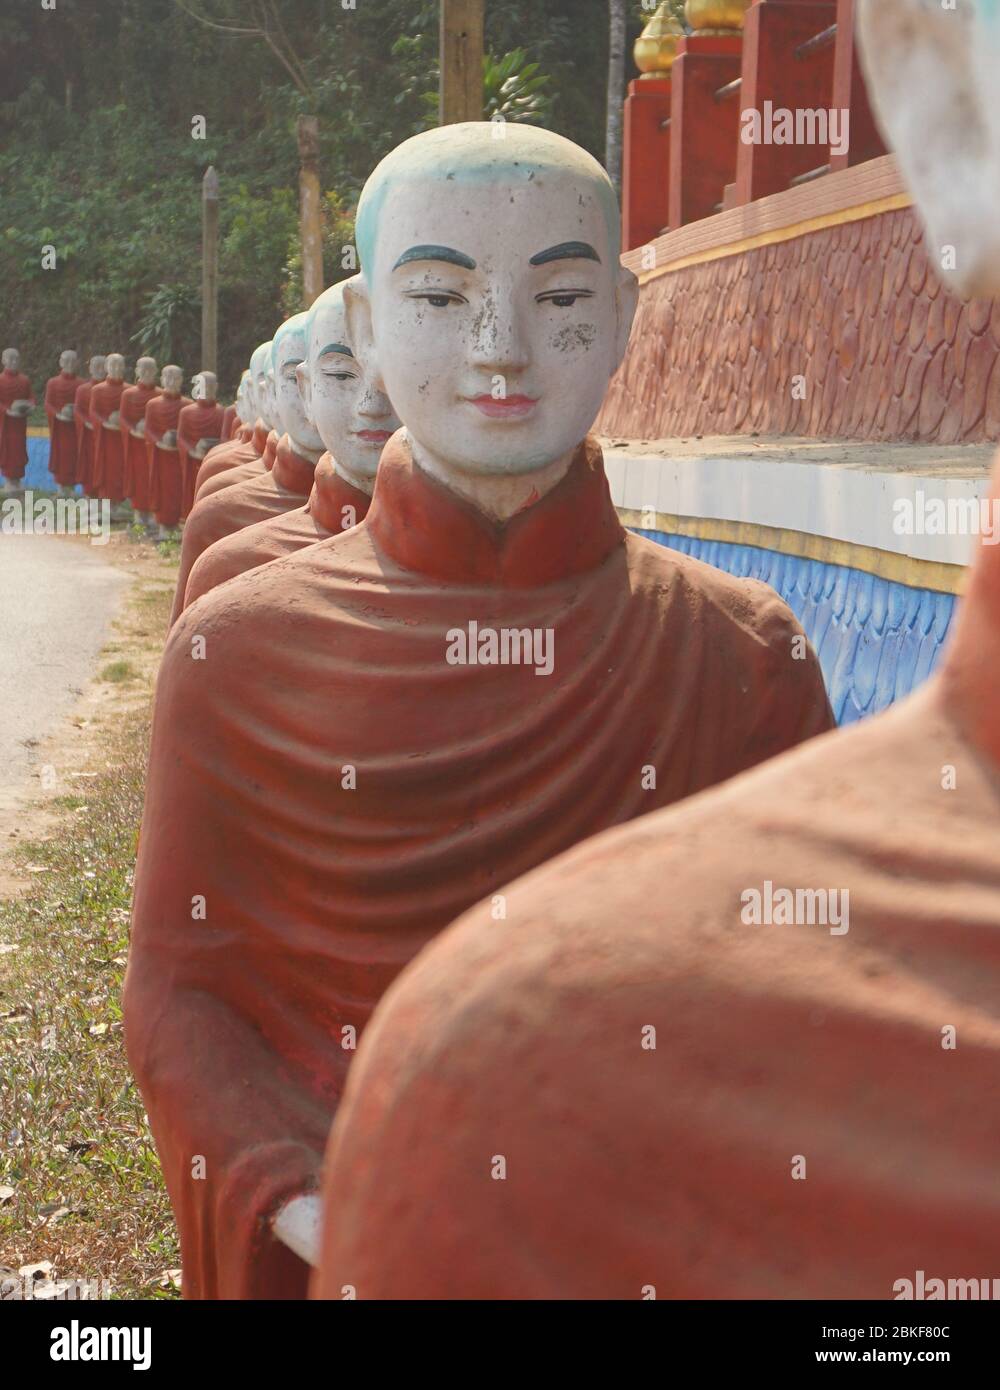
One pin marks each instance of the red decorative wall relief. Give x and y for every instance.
(884, 352)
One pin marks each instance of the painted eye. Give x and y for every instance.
(439, 299)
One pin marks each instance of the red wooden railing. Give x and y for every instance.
(685, 157)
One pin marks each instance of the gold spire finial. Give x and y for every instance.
(716, 16)
(656, 47)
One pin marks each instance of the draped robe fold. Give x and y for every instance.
(132, 410)
(60, 391)
(242, 464)
(109, 453)
(873, 1054)
(14, 386)
(282, 489)
(334, 505)
(336, 791)
(200, 420)
(230, 421)
(164, 464)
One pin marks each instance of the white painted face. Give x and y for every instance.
(498, 308)
(932, 77)
(98, 367)
(116, 366)
(258, 376)
(68, 361)
(352, 414)
(172, 379)
(11, 359)
(145, 371)
(244, 407)
(204, 386)
(287, 355)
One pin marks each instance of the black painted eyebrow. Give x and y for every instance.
(567, 251)
(335, 347)
(436, 253)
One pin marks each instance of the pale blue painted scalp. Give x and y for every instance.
(332, 298)
(297, 326)
(471, 152)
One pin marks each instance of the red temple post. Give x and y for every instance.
(787, 62)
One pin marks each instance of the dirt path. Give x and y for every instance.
(59, 598)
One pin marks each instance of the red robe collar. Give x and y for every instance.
(260, 436)
(290, 470)
(424, 526)
(330, 497)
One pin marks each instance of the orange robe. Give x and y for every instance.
(335, 792)
(162, 414)
(283, 489)
(230, 421)
(247, 443)
(334, 505)
(197, 421)
(818, 1119)
(241, 465)
(84, 434)
(109, 454)
(14, 386)
(60, 391)
(133, 409)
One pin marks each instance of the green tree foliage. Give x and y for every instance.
(98, 100)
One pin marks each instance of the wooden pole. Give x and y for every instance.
(461, 89)
(209, 270)
(310, 223)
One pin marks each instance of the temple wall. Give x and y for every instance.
(844, 298)
(820, 525)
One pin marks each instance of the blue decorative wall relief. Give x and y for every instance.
(877, 640)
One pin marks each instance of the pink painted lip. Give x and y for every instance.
(374, 436)
(507, 408)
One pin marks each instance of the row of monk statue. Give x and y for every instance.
(141, 443)
(415, 664)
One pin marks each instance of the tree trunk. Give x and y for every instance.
(616, 93)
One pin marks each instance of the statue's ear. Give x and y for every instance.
(626, 303)
(303, 380)
(357, 302)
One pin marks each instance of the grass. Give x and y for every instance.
(118, 671)
(74, 1144)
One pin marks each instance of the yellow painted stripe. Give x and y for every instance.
(886, 564)
(892, 203)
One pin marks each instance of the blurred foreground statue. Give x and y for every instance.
(484, 671)
(748, 1047)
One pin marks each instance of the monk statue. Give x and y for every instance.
(391, 723)
(132, 411)
(285, 486)
(747, 1047)
(60, 393)
(162, 456)
(199, 428)
(97, 370)
(105, 412)
(16, 403)
(251, 453)
(351, 417)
